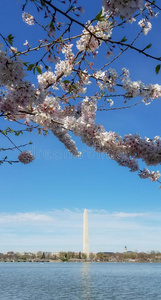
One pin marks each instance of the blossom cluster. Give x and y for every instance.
(146, 149)
(106, 79)
(109, 80)
(151, 12)
(124, 8)
(125, 151)
(146, 25)
(25, 157)
(71, 74)
(93, 36)
(17, 99)
(148, 92)
(63, 68)
(47, 79)
(19, 93)
(79, 87)
(11, 70)
(27, 18)
(52, 115)
(153, 176)
(65, 138)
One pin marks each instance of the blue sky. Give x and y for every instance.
(41, 204)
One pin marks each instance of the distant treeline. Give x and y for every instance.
(40, 256)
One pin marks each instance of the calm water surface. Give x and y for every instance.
(80, 281)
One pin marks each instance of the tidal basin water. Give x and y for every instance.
(80, 281)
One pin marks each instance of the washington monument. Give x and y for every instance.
(85, 234)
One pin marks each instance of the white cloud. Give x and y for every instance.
(128, 215)
(24, 218)
(58, 230)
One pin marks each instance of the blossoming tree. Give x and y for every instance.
(63, 100)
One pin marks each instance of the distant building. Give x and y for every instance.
(10, 253)
(125, 249)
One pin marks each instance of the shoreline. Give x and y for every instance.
(85, 261)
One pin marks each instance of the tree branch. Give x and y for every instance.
(118, 108)
(134, 48)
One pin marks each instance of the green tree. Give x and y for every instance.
(43, 256)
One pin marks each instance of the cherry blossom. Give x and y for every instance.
(71, 86)
(91, 42)
(123, 7)
(27, 18)
(25, 157)
(146, 25)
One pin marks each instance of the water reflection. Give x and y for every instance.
(81, 281)
(86, 281)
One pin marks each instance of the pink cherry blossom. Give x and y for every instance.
(25, 157)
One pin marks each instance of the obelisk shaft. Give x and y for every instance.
(85, 234)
